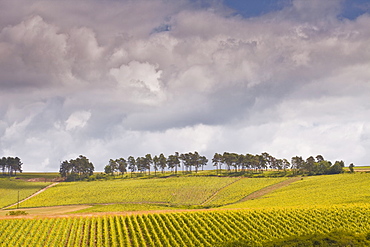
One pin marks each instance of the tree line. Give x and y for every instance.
(265, 161)
(231, 162)
(76, 169)
(10, 165)
(188, 161)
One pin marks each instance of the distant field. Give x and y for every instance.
(361, 168)
(175, 190)
(206, 228)
(316, 190)
(38, 175)
(9, 188)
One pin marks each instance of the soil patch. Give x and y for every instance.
(269, 189)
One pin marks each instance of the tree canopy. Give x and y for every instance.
(10, 165)
(231, 162)
(76, 169)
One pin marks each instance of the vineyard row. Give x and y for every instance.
(203, 228)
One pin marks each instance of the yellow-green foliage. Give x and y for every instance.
(9, 190)
(316, 190)
(176, 190)
(240, 189)
(206, 228)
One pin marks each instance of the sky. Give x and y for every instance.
(113, 78)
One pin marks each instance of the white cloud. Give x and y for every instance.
(77, 120)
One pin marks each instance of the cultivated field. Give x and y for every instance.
(174, 191)
(255, 210)
(9, 189)
(316, 191)
(205, 228)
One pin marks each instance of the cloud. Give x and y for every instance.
(142, 76)
(120, 78)
(77, 120)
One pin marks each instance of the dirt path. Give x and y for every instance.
(269, 189)
(38, 192)
(98, 214)
(216, 193)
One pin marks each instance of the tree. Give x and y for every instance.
(122, 165)
(229, 159)
(322, 167)
(351, 166)
(195, 161)
(186, 161)
(252, 161)
(111, 167)
(297, 163)
(108, 169)
(217, 161)
(11, 165)
(337, 167)
(131, 164)
(265, 160)
(309, 165)
(177, 161)
(155, 164)
(319, 158)
(162, 162)
(285, 165)
(140, 164)
(76, 168)
(148, 162)
(203, 161)
(171, 162)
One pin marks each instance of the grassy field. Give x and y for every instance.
(359, 168)
(9, 188)
(205, 228)
(175, 191)
(41, 176)
(316, 191)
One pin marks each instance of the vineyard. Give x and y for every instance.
(202, 228)
(316, 190)
(173, 191)
(9, 190)
(317, 204)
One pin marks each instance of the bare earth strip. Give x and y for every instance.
(43, 211)
(269, 189)
(38, 192)
(215, 194)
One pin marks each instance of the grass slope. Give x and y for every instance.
(9, 188)
(175, 190)
(240, 189)
(316, 191)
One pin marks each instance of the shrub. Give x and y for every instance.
(17, 213)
